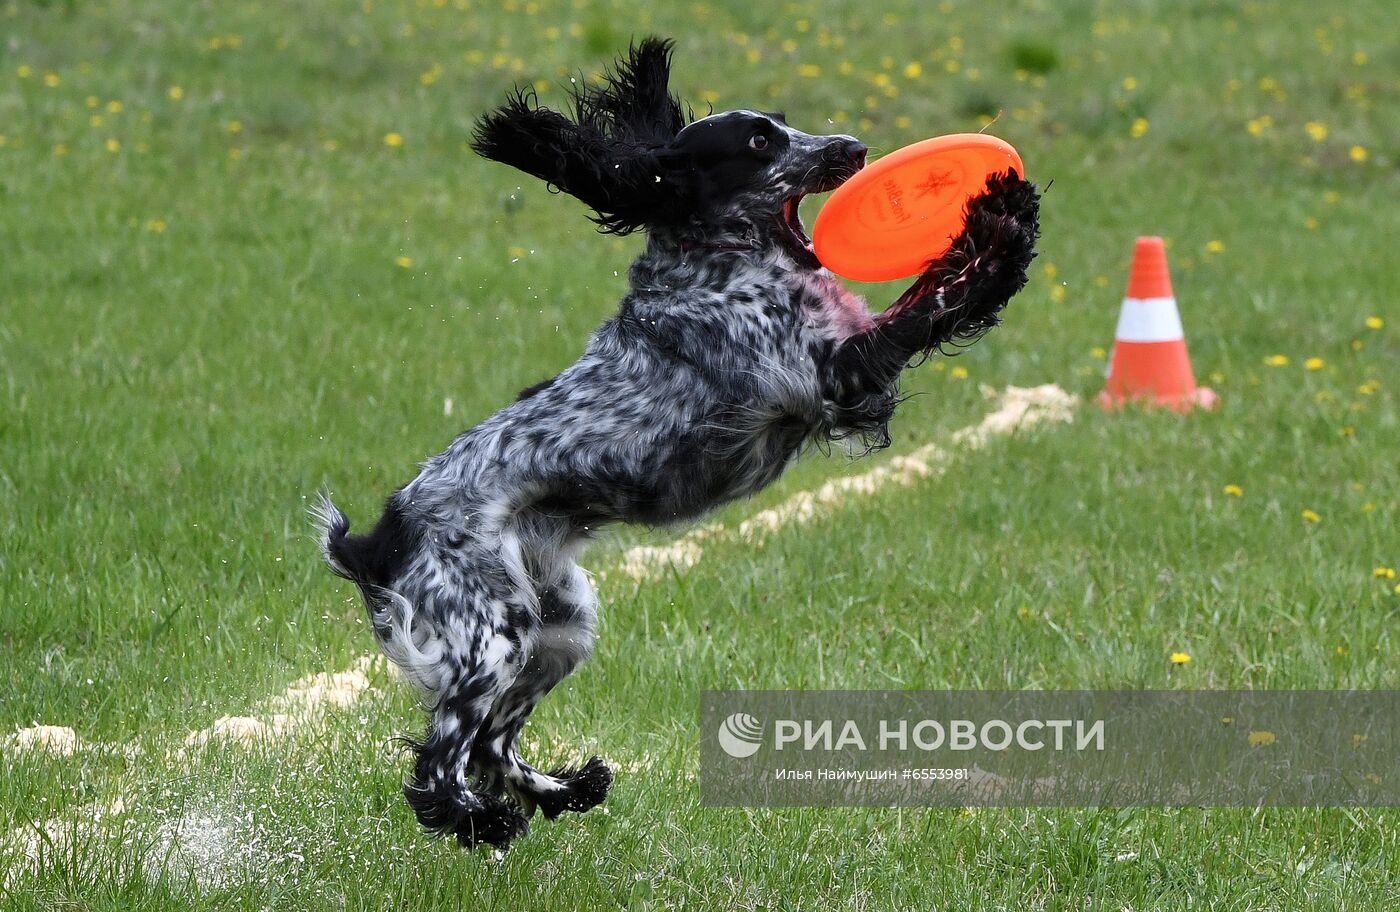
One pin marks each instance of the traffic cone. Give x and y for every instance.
(1149, 362)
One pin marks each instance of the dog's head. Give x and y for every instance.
(631, 154)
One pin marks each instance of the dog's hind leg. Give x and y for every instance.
(485, 637)
(568, 618)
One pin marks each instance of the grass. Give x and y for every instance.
(204, 316)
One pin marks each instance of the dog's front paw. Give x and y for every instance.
(1008, 195)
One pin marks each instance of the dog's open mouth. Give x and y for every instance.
(790, 228)
(791, 224)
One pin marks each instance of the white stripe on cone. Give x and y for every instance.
(1149, 320)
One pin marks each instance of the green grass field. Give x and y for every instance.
(245, 253)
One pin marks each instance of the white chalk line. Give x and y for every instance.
(315, 695)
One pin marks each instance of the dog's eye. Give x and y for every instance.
(758, 142)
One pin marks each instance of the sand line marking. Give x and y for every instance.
(304, 700)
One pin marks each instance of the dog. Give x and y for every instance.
(732, 352)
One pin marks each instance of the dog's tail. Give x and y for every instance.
(332, 529)
(372, 562)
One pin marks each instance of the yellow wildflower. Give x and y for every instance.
(1318, 131)
(175, 93)
(1215, 246)
(393, 140)
(1314, 364)
(402, 262)
(1234, 490)
(958, 373)
(1261, 738)
(1386, 573)
(1139, 128)
(1374, 323)
(1357, 153)
(1276, 360)
(1310, 516)
(1180, 658)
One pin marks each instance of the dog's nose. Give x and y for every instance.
(855, 151)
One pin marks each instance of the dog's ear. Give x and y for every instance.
(634, 103)
(611, 154)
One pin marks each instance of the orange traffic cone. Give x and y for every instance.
(1149, 362)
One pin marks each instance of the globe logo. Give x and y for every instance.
(741, 735)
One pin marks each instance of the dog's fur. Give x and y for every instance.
(732, 351)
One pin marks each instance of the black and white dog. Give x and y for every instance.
(732, 351)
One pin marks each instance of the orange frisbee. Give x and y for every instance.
(889, 220)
